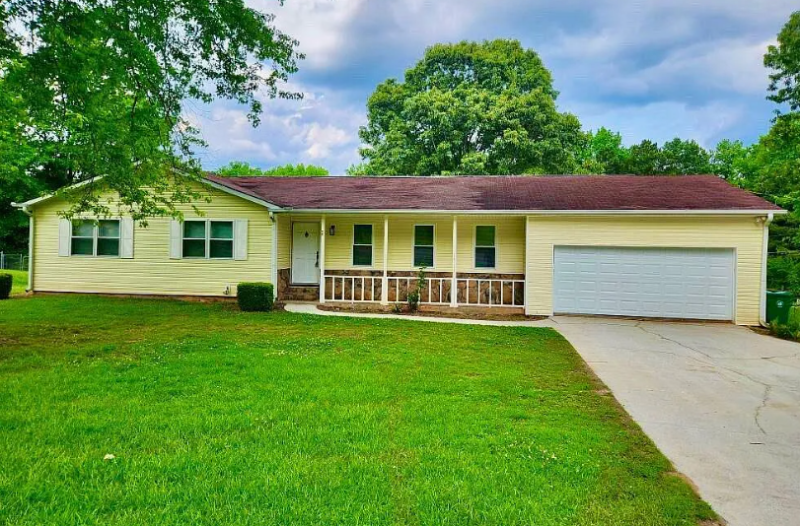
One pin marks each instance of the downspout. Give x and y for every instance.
(764, 251)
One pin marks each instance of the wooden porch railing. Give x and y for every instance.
(482, 292)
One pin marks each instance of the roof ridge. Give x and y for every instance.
(473, 176)
(693, 192)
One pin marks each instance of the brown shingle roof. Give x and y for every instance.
(607, 192)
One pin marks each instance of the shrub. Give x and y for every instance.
(415, 295)
(5, 285)
(783, 273)
(790, 331)
(255, 296)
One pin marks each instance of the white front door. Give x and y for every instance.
(305, 253)
(655, 282)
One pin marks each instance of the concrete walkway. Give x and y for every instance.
(720, 401)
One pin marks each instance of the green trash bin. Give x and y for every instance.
(779, 306)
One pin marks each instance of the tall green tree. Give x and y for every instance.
(684, 157)
(643, 159)
(98, 88)
(733, 161)
(784, 61)
(470, 108)
(240, 168)
(604, 153)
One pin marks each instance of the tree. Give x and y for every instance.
(784, 60)
(643, 159)
(470, 108)
(777, 157)
(684, 157)
(239, 168)
(604, 153)
(733, 161)
(98, 87)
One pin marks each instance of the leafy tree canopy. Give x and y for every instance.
(469, 108)
(97, 88)
(239, 168)
(604, 153)
(784, 60)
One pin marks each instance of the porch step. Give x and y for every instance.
(302, 293)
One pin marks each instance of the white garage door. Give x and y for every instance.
(653, 282)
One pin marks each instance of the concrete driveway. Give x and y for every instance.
(720, 401)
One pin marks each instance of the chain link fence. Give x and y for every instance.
(13, 261)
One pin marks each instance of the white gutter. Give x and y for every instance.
(202, 180)
(764, 254)
(37, 200)
(536, 212)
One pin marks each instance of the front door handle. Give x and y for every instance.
(316, 263)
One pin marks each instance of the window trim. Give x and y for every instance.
(208, 238)
(95, 236)
(414, 245)
(371, 245)
(475, 247)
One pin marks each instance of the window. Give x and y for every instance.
(208, 239)
(221, 240)
(194, 239)
(362, 245)
(82, 238)
(423, 245)
(90, 238)
(485, 250)
(108, 238)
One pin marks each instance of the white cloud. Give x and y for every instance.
(319, 25)
(321, 139)
(651, 69)
(322, 129)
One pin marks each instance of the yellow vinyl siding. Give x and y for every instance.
(401, 241)
(743, 234)
(339, 247)
(509, 241)
(151, 271)
(509, 237)
(284, 227)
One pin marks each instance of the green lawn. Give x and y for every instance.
(215, 416)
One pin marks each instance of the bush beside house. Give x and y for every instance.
(255, 296)
(5, 286)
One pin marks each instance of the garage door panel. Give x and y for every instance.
(677, 283)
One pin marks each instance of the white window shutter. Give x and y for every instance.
(175, 239)
(240, 239)
(64, 237)
(126, 237)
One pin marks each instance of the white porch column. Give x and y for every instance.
(454, 281)
(385, 280)
(322, 236)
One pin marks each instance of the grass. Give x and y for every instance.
(215, 416)
(19, 281)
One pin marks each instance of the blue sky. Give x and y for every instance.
(650, 69)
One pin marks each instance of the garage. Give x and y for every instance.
(692, 283)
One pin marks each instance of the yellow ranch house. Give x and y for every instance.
(690, 247)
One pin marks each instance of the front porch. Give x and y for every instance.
(366, 259)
